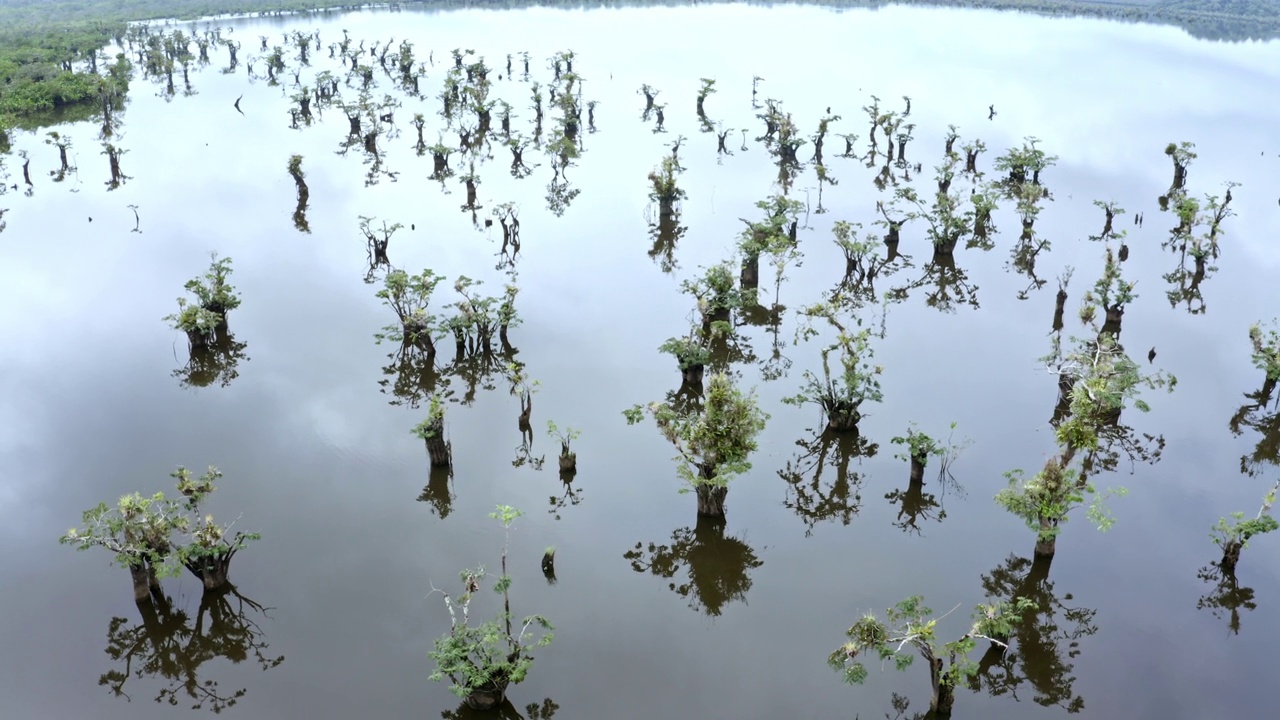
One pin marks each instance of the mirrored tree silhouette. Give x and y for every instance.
(713, 568)
(215, 362)
(544, 710)
(666, 233)
(1261, 415)
(836, 497)
(946, 285)
(412, 376)
(570, 494)
(438, 492)
(168, 645)
(1226, 598)
(916, 505)
(1044, 644)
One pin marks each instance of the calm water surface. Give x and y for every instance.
(316, 457)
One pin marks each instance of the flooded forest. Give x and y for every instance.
(643, 362)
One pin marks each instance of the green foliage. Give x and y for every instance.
(714, 442)
(1044, 500)
(665, 189)
(921, 446)
(160, 533)
(910, 626)
(716, 292)
(491, 654)
(212, 289)
(566, 436)
(1182, 153)
(194, 320)
(1266, 349)
(856, 380)
(689, 351)
(1236, 532)
(433, 425)
(708, 87)
(214, 299)
(953, 214)
(409, 296)
(771, 235)
(1024, 164)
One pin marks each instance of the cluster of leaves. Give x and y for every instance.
(856, 380)
(433, 425)
(714, 443)
(1266, 350)
(666, 191)
(214, 298)
(1234, 534)
(911, 624)
(161, 534)
(565, 435)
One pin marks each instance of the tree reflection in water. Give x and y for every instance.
(1046, 640)
(215, 362)
(1227, 596)
(506, 711)
(438, 492)
(816, 499)
(715, 566)
(167, 644)
(1262, 416)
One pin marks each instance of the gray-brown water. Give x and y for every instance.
(317, 459)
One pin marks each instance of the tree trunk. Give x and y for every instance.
(489, 696)
(917, 470)
(212, 570)
(750, 275)
(568, 463)
(842, 419)
(1230, 556)
(438, 449)
(1046, 546)
(144, 580)
(944, 700)
(711, 498)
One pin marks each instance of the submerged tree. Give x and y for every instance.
(713, 444)
(304, 194)
(157, 537)
(431, 431)
(910, 623)
(1102, 379)
(914, 503)
(1234, 535)
(482, 660)
(409, 296)
(206, 317)
(1195, 237)
(716, 567)
(773, 236)
(842, 393)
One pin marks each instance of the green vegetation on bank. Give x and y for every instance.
(51, 69)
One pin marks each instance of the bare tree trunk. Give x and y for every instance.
(711, 498)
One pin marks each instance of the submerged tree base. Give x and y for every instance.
(711, 500)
